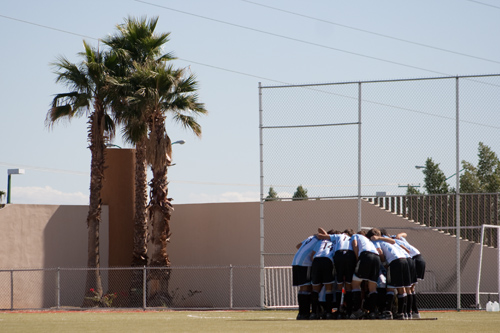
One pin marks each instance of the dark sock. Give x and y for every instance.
(322, 307)
(304, 300)
(371, 301)
(338, 299)
(356, 300)
(329, 302)
(409, 303)
(315, 302)
(389, 299)
(381, 299)
(401, 303)
(414, 307)
(348, 302)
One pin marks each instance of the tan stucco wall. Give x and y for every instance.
(47, 236)
(44, 236)
(215, 234)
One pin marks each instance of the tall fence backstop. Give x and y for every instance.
(368, 142)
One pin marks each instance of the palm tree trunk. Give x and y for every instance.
(160, 213)
(160, 210)
(94, 290)
(139, 254)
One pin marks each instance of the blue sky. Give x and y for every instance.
(231, 46)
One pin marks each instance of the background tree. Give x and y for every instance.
(2, 194)
(89, 95)
(435, 179)
(488, 169)
(300, 193)
(272, 195)
(486, 177)
(469, 181)
(412, 190)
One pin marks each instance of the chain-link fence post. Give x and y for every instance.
(457, 166)
(231, 286)
(58, 287)
(12, 289)
(144, 295)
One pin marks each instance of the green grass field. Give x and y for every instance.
(235, 321)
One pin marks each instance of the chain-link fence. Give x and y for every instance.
(217, 287)
(343, 155)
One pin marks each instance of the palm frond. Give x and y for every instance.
(109, 126)
(188, 122)
(66, 106)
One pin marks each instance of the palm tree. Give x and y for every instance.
(135, 43)
(89, 95)
(164, 91)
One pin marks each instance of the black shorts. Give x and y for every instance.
(368, 267)
(413, 270)
(419, 266)
(345, 264)
(398, 274)
(301, 275)
(322, 271)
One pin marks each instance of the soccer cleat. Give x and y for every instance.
(387, 315)
(399, 316)
(415, 315)
(328, 316)
(340, 314)
(358, 314)
(302, 317)
(314, 316)
(409, 316)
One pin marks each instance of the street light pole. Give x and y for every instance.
(455, 174)
(11, 172)
(424, 167)
(180, 142)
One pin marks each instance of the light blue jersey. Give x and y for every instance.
(413, 250)
(391, 252)
(303, 255)
(323, 249)
(342, 242)
(364, 244)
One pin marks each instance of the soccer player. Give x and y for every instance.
(301, 267)
(417, 274)
(322, 275)
(344, 261)
(367, 269)
(398, 275)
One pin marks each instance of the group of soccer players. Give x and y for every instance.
(360, 276)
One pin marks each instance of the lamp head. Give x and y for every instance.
(15, 171)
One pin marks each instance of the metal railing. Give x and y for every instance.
(196, 287)
(438, 211)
